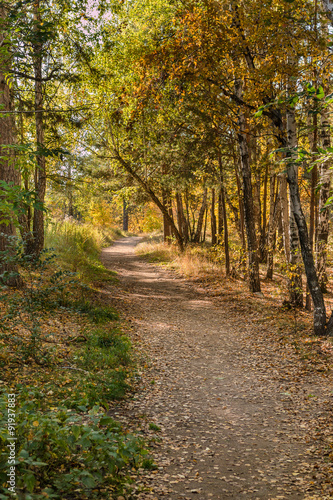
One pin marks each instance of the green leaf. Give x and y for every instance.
(30, 481)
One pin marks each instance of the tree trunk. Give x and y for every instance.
(272, 223)
(284, 215)
(241, 210)
(213, 219)
(40, 174)
(263, 236)
(201, 217)
(182, 222)
(324, 213)
(167, 234)
(226, 232)
(220, 218)
(257, 211)
(142, 182)
(310, 270)
(253, 264)
(295, 275)
(8, 172)
(125, 215)
(313, 139)
(205, 225)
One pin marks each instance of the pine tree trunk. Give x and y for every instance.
(40, 174)
(213, 219)
(324, 213)
(252, 251)
(8, 172)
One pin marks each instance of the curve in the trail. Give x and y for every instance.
(227, 430)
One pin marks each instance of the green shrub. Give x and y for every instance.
(63, 453)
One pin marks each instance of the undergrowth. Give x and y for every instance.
(64, 356)
(79, 246)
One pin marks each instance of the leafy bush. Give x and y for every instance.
(60, 452)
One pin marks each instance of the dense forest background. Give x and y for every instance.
(206, 121)
(214, 115)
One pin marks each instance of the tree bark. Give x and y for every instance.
(284, 215)
(40, 174)
(324, 213)
(252, 251)
(8, 172)
(201, 217)
(272, 224)
(167, 233)
(310, 270)
(295, 274)
(125, 215)
(220, 218)
(213, 219)
(241, 209)
(182, 222)
(226, 232)
(263, 236)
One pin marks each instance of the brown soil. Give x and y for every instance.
(237, 411)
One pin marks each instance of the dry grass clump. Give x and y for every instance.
(194, 262)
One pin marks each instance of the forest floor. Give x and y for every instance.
(232, 406)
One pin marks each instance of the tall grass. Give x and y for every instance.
(79, 246)
(193, 263)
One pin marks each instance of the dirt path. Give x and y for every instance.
(232, 425)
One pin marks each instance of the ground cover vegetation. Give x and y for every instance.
(211, 120)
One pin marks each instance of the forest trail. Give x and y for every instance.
(233, 423)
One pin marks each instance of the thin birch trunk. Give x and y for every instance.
(284, 215)
(295, 285)
(299, 218)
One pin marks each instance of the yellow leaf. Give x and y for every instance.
(35, 423)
